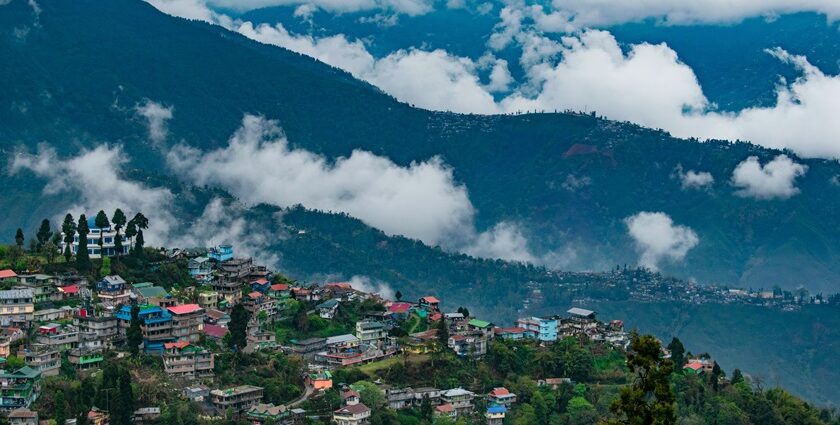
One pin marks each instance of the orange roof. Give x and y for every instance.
(7, 274)
(339, 285)
(69, 289)
(499, 392)
(430, 300)
(435, 317)
(279, 287)
(500, 331)
(179, 344)
(694, 366)
(254, 295)
(261, 281)
(445, 408)
(184, 308)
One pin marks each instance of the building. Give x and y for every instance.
(146, 415)
(429, 303)
(468, 344)
(257, 302)
(352, 414)
(239, 399)
(264, 413)
(220, 253)
(8, 276)
(216, 317)
(580, 322)
(19, 389)
(84, 359)
(446, 410)
(23, 416)
(501, 396)
(483, 326)
(540, 328)
(16, 307)
(208, 299)
(43, 286)
(112, 291)
(327, 309)
(58, 337)
(187, 322)
(460, 399)
(156, 324)
(201, 269)
(106, 234)
(514, 333)
(495, 414)
(371, 332)
(184, 360)
(42, 358)
(102, 328)
(148, 293)
(320, 381)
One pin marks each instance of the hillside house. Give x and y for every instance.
(43, 286)
(514, 333)
(184, 360)
(353, 414)
(23, 416)
(460, 399)
(84, 359)
(16, 307)
(465, 344)
(429, 303)
(187, 322)
(220, 253)
(156, 325)
(107, 235)
(112, 291)
(239, 399)
(216, 317)
(542, 329)
(208, 300)
(19, 388)
(371, 332)
(327, 309)
(501, 396)
(201, 269)
(8, 276)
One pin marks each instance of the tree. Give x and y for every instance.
(426, 410)
(69, 230)
(443, 334)
(60, 408)
(19, 238)
(398, 296)
(238, 327)
(715, 376)
(44, 233)
(119, 221)
(650, 399)
(125, 397)
(105, 268)
(737, 376)
(101, 222)
(140, 222)
(677, 352)
(82, 255)
(134, 334)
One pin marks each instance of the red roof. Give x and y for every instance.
(497, 392)
(430, 300)
(694, 366)
(339, 285)
(179, 344)
(348, 393)
(445, 408)
(353, 409)
(435, 317)
(399, 307)
(500, 331)
(7, 274)
(69, 289)
(279, 287)
(184, 308)
(254, 295)
(215, 331)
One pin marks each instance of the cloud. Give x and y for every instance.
(506, 241)
(573, 183)
(657, 238)
(202, 9)
(694, 179)
(774, 180)
(368, 285)
(156, 116)
(421, 200)
(95, 176)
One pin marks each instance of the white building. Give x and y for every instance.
(108, 234)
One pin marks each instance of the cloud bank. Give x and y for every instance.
(156, 116)
(774, 180)
(657, 238)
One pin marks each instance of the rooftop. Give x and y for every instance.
(353, 409)
(582, 312)
(7, 274)
(184, 308)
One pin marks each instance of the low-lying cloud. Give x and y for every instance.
(156, 116)
(657, 238)
(774, 180)
(691, 179)
(371, 286)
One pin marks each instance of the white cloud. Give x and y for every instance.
(657, 238)
(201, 9)
(573, 183)
(421, 200)
(156, 116)
(774, 180)
(694, 179)
(505, 240)
(370, 286)
(95, 176)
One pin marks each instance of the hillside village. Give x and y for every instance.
(221, 338)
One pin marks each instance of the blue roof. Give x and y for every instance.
(496, 408)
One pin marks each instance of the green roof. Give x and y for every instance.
(143, 285)
(478, 323)
(151, 291)
(26, 372)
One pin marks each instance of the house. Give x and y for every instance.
(320, 381)
(156, 325)
(482, 326)
(460, 399)
(371, 332)
(200, 268)
(694, 368)
(69, 292)
(514, 333)
(406, 398)
(502, 396)
(23, 416)
(112, 291)
(468, 344)
(98, 417)
(184, 360)
(215, 332)
(554, 383)
(8, 276)
(220, 253)
(102, 328)
(446, 410)
(261, 285)
(42, 285)
(256, 302)
(327, 309)
(209, 299)
(44, 359)
(197, 393)
(429, 303)
(58, 337)
(19, 389)
(264, 413)
(16, 307)
(261, 341)
(542, 329)
(187, 322)
(308, 348)
(353, 414)
(148, 293)
(399, 311)
(495, 414)
(146, 415)
(239, 399)
(106, 235)
(279, 290)
(84, 359)
(345, 341)
(216, 317)
(350, 396)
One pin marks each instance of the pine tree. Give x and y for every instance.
(60, 408)
(101, 222)
(139, 223)
(44, 233)
(134, 333)
(677, 352)
(443, 334)
(238, 327)
(19, 239)
(650, 399)
(69, 230)
(82, 255)
(398, 296)
(119, 221)
(126, 397)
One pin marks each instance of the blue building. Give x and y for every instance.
(540, 328)
(157, 326)
(221, 253)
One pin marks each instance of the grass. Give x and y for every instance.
(373, 367)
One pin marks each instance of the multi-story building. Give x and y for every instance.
(112, 291)
(23, 416)
(149, 293)
(460, 399)
(468, 344)
(58, 337)
(43, 286)
(352, 414)
(187, 322)
(495, 414)
(16, 307)
(19, 389)
(184, 360)
(44, 359)
(156, 324)
(208, 300)
(221, 253)
(501, 395)
(239, 399)
(107, 235)
(200, 268)
(371, 332)
(102, 328)
(257, 302)
(539, 328)
(84, 359)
